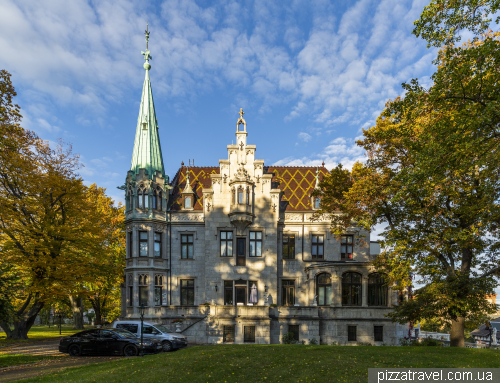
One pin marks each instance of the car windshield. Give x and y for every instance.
(124, 333)
(163, 329)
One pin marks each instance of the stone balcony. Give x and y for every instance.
(241, 216)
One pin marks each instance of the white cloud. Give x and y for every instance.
(304, 136)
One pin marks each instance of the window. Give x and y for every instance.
(233, 194)
(187, 292)
(228, 334)
(143, 243)
(377, 291)
(317, 246)
(187, 203)
(401, 297)
(226, 243)
(154, 199)
(240, 195)
(346, 247)
(158, 290)
(317, 202)
(228, 292)
(351, 289)
(129, 199)
(248, 196)
(131, 295)
(249, 334)
(351, 333)
(130, 243)
(240, 251)
(287, 292)
(133, 328)
(143, 290)
(294, 329)
(324, 289)
(187, 246)
(378, 333)
(157, 244)
(159, 204)
(140, 199)
(288, 251)
(255, 244)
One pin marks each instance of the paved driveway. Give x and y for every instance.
(46, 347)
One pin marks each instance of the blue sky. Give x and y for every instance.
(309, 75)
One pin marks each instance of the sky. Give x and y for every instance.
(309, 76)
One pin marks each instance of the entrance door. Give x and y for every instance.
(240, 252)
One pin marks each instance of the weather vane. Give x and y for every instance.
(146, 54)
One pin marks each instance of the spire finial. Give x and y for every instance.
(241, 112)
(145, 53)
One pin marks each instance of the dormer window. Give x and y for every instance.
(317, 202)
(187, 203)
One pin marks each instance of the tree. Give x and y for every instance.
(50, 231)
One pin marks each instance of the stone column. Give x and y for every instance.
(364, 291)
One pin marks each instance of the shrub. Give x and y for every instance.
(313, 341)
(288, 338)
(429, 342)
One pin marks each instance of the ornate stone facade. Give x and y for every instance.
(239, 254)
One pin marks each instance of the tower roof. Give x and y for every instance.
(147, 150)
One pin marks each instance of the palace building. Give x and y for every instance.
(238, 253)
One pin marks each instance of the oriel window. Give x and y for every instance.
(226, 243)
(351, 289)
(143, 243)
(143, 290)
(324, 289)
(157, 244)
(255, 244)
(187, 292)
(288, 251)
(158, 290)
(346, 247)
(187, 250)
(287, 292)
(317, 246)
(240, 195)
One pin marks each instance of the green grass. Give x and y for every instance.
(38, 333)
(273, 363)
(16, 360)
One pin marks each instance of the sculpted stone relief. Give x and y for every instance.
(187, 217)
(293, 217)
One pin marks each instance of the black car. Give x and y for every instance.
(106, 341)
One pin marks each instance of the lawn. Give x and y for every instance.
(16, 360)
(40, 332)
(273, 363)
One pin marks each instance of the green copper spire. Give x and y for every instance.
(147, 149)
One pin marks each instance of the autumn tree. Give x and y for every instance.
(50, 230)
(432, 174)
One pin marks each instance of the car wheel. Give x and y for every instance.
(130, 350)
(167, 346)
(74, 350)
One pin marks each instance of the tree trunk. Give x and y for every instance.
(23, 323)
(96, 305)
(77, 308)
(457, 338)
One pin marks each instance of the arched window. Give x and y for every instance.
(324, 289)
(187, 203)
(155, 196)
(240, 195)
(351, 289)
(248, 196)
(377, 290)
(317, 202)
